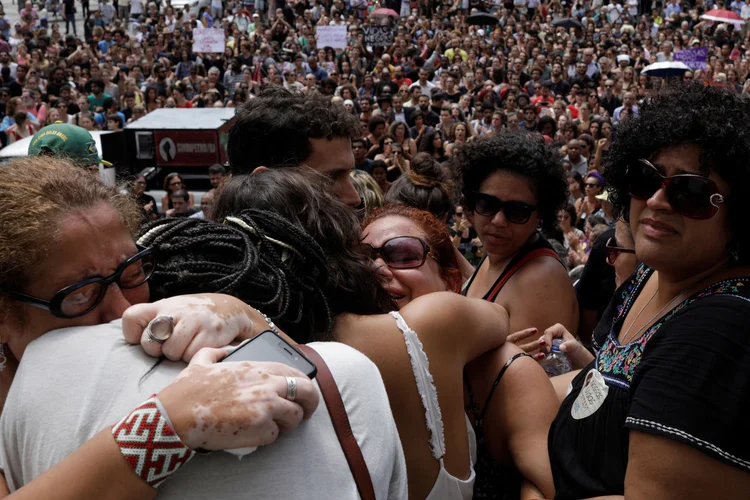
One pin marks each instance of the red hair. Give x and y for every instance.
(436, 236)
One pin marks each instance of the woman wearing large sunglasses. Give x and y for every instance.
(415, 258)
(655, 413)
(514, 184)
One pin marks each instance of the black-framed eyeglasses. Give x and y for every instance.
(517, 212)
(83, 297)
(692, 195)
(402, 252)
(613, 251)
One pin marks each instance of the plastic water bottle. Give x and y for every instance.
(556, 362)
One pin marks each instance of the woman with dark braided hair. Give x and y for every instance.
(296, 259)
(268, 211)
(68, 264)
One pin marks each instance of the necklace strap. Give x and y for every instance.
(625, 339)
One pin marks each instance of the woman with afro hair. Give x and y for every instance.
(660, 410)
(512, 185)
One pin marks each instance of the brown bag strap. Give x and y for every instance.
(343, 428)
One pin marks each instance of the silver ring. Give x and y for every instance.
(160, 329)
(291, 388)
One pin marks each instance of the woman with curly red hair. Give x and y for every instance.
(512, 443)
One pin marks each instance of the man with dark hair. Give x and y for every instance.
(544, 100)
(328, 87)
(361, 161)
(437, 101)
(530, 119)
(162, 82)
(217, 174)
(284, 129)
(16, 86)
(97, 96)
(56, 82)
(109, 108)
(316, 70)
(180, 204)
(483, 125)
(430, 117)
(129, 101)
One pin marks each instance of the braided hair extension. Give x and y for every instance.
(305, 199)
(197, 256)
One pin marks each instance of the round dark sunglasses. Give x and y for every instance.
(613, 251)
(402, 252)
(691, 195)
(83, 297)
(517, 212)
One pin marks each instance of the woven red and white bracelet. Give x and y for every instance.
(150, 444)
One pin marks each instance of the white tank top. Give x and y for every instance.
(447, 487)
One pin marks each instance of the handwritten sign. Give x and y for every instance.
(378, 36)
(693, 58)
(331, 36)
(208, 40)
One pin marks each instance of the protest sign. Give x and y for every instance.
(693, 58)
(378, 36)
(208, 40)
(331, 36)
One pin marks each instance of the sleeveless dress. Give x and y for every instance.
(447, 487)
(686, 378)
(495, 481)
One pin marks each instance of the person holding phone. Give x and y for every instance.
(102, 379)
(57, 213)
(440, 461)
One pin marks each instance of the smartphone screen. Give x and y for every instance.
(270, 347)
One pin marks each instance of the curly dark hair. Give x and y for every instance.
(274, 130)
(520, 153)
(714, 119)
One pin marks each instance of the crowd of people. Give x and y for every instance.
(429, 221)
(569, 70)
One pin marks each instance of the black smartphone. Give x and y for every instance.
(270, 347)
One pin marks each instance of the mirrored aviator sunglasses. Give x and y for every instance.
(517, 212)
(691, 195)
(402, 252)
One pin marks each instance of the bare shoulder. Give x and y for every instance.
(544, 273)
(540, 295)
(455, 324)
(442, 310)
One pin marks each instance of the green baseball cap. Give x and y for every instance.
(62, 139)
